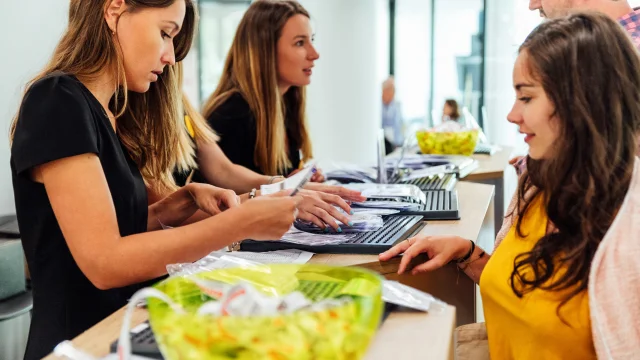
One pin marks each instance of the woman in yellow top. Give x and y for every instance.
(577, 81)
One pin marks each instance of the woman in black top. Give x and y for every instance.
(95, 131)
(258, 108)
(236, 124)
(320, 202)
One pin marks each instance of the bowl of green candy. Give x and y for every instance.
(448, 143)
(341, 312)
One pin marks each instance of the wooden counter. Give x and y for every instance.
(491, 166)
(495, 170)
(403, 332)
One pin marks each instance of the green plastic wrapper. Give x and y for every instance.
(448, 143)
(339, 332)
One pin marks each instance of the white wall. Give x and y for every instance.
(413, 58)
(451, 41)
(344, 102)
(218, 24)
(31, 29)
(508, 23)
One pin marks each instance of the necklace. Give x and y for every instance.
(111, 118)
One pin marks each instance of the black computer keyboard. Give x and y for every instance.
(143, 342)
(439, 205)
(396, 228)
(439, 182)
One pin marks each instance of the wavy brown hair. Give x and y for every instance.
(590, 71)
(251, 70)
(149, 124)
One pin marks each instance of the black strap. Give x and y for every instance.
(468, 256)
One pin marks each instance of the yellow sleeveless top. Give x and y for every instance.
(529, 327)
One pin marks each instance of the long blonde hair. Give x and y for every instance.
(202, 132)
(148, 124)
(251, 70)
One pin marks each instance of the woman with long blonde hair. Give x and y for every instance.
(319, 203)
(258, 108)
(96, 128)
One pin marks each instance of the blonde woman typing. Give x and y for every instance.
(213, 166)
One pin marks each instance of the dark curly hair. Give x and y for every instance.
(590, 71)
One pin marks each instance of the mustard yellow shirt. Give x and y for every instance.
(529, 327)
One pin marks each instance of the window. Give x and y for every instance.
(219, 20)
(438, 53)
(458, 64)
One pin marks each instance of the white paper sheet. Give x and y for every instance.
(289, 183)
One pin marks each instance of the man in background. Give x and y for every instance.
(618, 10)
(391, 116)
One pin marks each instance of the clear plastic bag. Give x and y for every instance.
(300, 237)
(403, 295)
(338, 318)
(401, 192)
(374, 211)
(224, 259)
(215, 260)
(346, 173)
(391, 205)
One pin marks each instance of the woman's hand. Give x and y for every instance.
(269, 217)
(320, 208)
(175, 209)
(440, 249)
(343, 192)
(211, 199)
(317, 177)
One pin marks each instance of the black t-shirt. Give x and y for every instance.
(236, 125)
(60, 118)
